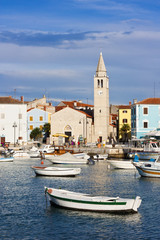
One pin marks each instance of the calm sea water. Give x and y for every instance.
(26, 214)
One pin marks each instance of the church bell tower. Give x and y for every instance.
(101, 102)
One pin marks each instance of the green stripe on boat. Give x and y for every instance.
(89, 202)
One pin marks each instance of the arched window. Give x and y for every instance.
(67, 128)
(98, 83)
(101, 83)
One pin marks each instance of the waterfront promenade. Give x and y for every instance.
(118, 151)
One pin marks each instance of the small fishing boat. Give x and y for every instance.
(151, 150)
(100, 156)
(121, 164)
(148, 169)
(6, 159)
(21, 153)
(56, 172)
(66, 158)
(80, 201)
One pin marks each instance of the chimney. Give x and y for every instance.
(50, 104)
(134, 101)
(22, 99)
(130, 103)
(44, 108)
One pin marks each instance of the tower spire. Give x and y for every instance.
(101, 69)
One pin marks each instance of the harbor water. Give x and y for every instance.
(25, 212)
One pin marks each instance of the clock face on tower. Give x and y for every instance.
(100, 92)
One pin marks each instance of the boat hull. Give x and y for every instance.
(10, 159)
(56, 172)
(86, 202)
(121, 164)
(145, 172)
(78, 161)
(66, 158)
(100, 156)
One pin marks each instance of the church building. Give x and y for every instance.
(82, 121)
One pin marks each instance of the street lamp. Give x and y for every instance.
(14, 126)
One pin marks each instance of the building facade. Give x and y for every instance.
(73, 123)
(37, 118)
(145, 117)
(13, 121)
(124, 117)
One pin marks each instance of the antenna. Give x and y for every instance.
(15, 93)
(154, 89)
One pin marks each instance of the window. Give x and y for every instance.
(30, 118)
(124, 111)
(41, 118)
(145, 110)
(100, 110)
(31, 127)
(98, 83)
(145, 124)
(41, 127)
(101, 83)
(20, 115)
(124, 120)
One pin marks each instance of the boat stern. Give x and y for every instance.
(137, 203)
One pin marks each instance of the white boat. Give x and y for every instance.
(100, 156)
(121, 164)
(80, 201)
(56, 172)
(151, 150)
(21, 153)
(148, 168)
(47, 149)
(6, 159)
(81, 155)
(66, 158)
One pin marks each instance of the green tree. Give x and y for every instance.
(47, 129)
(36, 133)
(124, 131)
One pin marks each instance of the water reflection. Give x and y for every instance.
(130, 217)
(25, 212)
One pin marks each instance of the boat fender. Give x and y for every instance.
(152, 160)
(136, 158)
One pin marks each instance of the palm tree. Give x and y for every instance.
(124, 131)
(36, 133)
(46, 130)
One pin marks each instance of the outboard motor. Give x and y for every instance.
(90, 161)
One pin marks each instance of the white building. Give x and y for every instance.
(71, 122)
(13, 120)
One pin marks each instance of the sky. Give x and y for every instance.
(52, 47)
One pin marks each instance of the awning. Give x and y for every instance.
(60, 135)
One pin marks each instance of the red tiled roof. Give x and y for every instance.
(124, 107)
(150, 101)
(78, 104)
(9, 100)
(62, 107)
